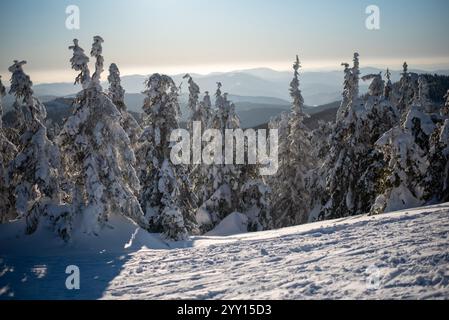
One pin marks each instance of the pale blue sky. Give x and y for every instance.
(144, 36)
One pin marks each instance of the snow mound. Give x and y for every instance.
(235, 223)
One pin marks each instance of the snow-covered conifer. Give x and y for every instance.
(96, 52)
(355, 76)
(255, 200)
(117, 95)
(221, 182)
(2, 94)
(346, 94)
(376, 88)
(35, 171)
(194, 92)
(445, 109)
(423, 96)
(437, 182)
(353, 165)
(79, 63)
(290, 195)
(388, 85)
(206, 110)
(406, 91)
(402, 184)
(162, 182)
(7, 153)
(97, 154)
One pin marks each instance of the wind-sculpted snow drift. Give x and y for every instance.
(401, 255)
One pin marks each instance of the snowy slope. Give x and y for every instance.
(399, 255)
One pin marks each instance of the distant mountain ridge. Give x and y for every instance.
(259, 94)
(253, 111)
(318, 87)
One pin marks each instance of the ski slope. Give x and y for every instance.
(401, 255)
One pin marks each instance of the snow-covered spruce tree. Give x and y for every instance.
(254, 198)
(423, 96)
(97, 154)
(79, 62)
(203, 184)
(408, 91)
(355, 72)
(346, 95)
(445, 109)
(353, 165)
(35, 171)
(320, 139)
(199, 113)
(2, 94)
(290, 193)
(437, 182)
(388, 85)
(223, 189)
(414, 153)
(334, 174)
(377, 86)
(402, 185)
(163, 183)
(436, 147)
(7, 153)
(117, 95)
(206, 110)
(193, 105)
(221, 184)
(351, 89)
(418, 121)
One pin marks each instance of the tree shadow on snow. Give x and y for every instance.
(36, 278)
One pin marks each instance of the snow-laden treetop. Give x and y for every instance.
(96, 52)
(376, 87)
(79, 62)
(116, 91)
(295, 92)
(20, 82)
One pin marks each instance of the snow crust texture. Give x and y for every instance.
(402, 255)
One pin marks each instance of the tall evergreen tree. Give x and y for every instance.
(353, 165)
(290, 193)
(221, 182)
(162, 182)
(402, 184)
(388, 85)
(35, 171)
(437, 180)
(445, 109)
(7, 153)
(79, 62)
(97, 154)
(117, 95)
(346, 94)
(2, 94)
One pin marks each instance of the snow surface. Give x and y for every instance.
(400, 255)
